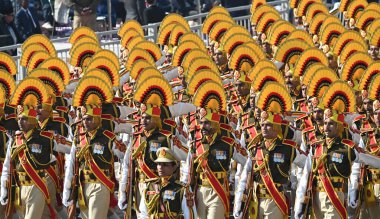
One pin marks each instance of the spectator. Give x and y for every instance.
(47, 9)
(153, 14)
(85, 13)
(8, 31)
(26, 21)
(135, 9)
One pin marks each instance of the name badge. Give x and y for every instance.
(169, 195)
(337, 157)
(98, 149)
(220, 155)
(278, 158)
(154, 146)
(36, 148)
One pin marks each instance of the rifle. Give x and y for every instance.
(71, 210)
(250, 189)
(308, 197)
(129, 187)
(361, 189)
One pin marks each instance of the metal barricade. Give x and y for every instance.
(110, 41)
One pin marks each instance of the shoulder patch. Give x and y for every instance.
(47, 134)
(228, 140)
(362, 116)
(348, 142)
(59, 119)
(170, 123)
(109, 134)
(289, 143)
(166, 133)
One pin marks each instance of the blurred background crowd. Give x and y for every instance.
(20, 19)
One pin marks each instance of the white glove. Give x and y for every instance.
(66, 198)
(238, 215)
(4, 193)
(352, 199)
(122, 201)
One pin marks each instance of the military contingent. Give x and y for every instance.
(280, 120)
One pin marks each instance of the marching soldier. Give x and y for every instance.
(165, 197)
(28, 160)
(364, 192)
(90, 168)
(267, 170)
(329, 162)
(149, 138)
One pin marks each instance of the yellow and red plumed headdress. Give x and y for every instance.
(90, 93)
(274, 100)
(29, 93)
(338, 99)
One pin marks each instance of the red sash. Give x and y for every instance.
(37, 180)
(147, 171)
(223, 192)
(281, 201)
(327, 185)
(101, 176)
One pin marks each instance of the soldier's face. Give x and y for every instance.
(374, 52)
(242, 89)
(268, 131)
(289, 79)
(376, 117)
(147, 122)
(318, 115)
(90, 123)
(219, 58)
(368, 105)
(206, 127)
(42, 114)
(23, 123)
(252, 102)
(165, 169)
(330, 128)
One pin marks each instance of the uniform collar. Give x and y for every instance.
(29, 134)
(43, 124)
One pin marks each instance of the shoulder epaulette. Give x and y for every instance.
(107, 116)
(225, 127)
(308, 129)
(47, 134)
(180, 183)
(360, 117)
(301, 117)
(170, 123)
(10, 116)
(166, 133)
(2, 129)
(109, 134)
(151, 180)
(117, 100)
(289, 142)
(59, 119)
(62, 108)
(348, 142)
(228, 140)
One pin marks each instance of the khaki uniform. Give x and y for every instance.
(154, 140)
(217, 154)
(338, 165)
(163, 198)
(96, 193)
(39, 149)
